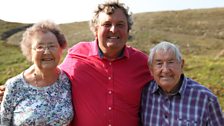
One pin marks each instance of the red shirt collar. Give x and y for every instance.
(97, 52)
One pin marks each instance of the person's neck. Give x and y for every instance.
(175, 89)
(44, 77)
(111, 54)
(46, 74)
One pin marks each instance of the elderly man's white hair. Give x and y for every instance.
(165, 46)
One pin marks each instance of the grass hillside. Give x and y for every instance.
(5, 26)
(199, 33)
(7, 29)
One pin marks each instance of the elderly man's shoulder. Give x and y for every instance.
(201, 90)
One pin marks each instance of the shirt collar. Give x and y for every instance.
(95, 49)
(98, 52)
(184, 85)
(155, 87)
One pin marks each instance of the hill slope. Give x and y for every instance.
(196, 31)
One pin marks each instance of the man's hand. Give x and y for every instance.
(2, 90)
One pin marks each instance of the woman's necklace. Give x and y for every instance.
(40, 91)
(35, 79)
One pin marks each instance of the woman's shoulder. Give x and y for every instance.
(15, 81)
(15, 85)
(64, 78)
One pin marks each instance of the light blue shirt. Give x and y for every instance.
(24, 104)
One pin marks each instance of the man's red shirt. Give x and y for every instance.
(106, 93)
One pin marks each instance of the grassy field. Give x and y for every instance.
(11, 60)
(199, 33)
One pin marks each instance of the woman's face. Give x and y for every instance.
(46, 51)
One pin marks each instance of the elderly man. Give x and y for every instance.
(172, 99)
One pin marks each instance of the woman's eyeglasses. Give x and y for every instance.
(42, 48)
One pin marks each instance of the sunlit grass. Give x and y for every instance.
(208, 71)
(11, 60)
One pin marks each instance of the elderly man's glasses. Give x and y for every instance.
(165, 64)
(42, 48)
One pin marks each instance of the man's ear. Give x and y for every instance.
(95, 35)
(150, 69)
(96, 32)
(182, 63)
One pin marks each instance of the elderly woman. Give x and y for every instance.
(41, 94)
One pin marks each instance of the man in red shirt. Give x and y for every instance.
(107, 75)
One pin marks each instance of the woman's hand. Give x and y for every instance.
(2, 90)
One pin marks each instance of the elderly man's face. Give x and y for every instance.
(166, 69)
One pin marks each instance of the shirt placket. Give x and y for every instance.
(166, 111)
(110, 94)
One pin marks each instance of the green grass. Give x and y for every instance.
(205, 69)
(5, 26)
(11, 60)
(208, 71)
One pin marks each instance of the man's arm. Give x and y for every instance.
(215, 113)
(2, 91)
(8, 103)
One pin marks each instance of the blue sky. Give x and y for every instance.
(65, 11)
